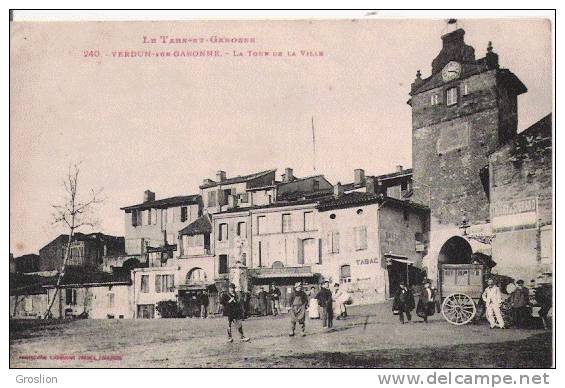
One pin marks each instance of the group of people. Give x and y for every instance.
(321, 305)
(404, 302)
(269, 300)
(519, 301)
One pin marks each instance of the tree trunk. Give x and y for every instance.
(61, 274)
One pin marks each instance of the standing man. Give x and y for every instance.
(544, 297)
(204, 302)
(426, 303)
(298, 302)
(262, 299)
(519, 299)
(492, 298)
(339, 302)
(324, 298)
(275, 298)
(403, 303)
(234, 312)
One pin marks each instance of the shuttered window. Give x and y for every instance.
(333, 242)
(360, 234)
(144, 283)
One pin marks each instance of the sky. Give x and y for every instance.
(166, 123)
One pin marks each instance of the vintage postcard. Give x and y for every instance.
(364, 192)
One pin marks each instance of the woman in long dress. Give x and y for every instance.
(313, 311)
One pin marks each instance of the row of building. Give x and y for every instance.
(477, 189)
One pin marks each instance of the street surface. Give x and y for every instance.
(370, 337)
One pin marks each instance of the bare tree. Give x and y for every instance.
(73, 213)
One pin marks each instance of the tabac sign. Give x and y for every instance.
(515, 214)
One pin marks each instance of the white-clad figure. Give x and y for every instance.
(493, 298)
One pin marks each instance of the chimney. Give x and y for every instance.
(370, 186)
(491, 57)
(417, 82)
(358, 176)
(148, 196)
(220, 176)
(232, 201)
(399, 168)
(338, 190)
(288, 175)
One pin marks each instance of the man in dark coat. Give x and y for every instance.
(324, 298)
(204, 303)
(519, 299)
(298, 303)
(262, 299)
(426, 303)
(544, 297)
(275, 297)
(403, 303)
(233, 311)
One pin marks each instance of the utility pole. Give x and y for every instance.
(314, 144)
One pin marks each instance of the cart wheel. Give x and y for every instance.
(458, 309)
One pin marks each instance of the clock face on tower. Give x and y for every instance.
(451, 71)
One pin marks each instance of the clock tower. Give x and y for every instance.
(461, 113)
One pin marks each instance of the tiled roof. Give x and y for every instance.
(349, 199)
(237, 179)
(360, 198)
(273, 205)
(377, 178)
(396, 174)
(23, 284)
(201, 225)
(166, 202)
(74, 277)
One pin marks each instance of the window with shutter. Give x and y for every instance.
(300, 256)
(308, 220)
(451, 96)
(261, 225)
(223, 264)
(212, 199)
(110, 299)
(360, 238)
(144, 283)
(286, 223)
(310, 251)
(242, 229)
(183, 214)
(335, 242)
(158, 283)
(223, 232)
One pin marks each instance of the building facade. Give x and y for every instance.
(464, 146)
(87, 251)
(152, 227)
(521, 203)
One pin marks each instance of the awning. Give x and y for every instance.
(398, 258)
(403, 261)
(194, 286)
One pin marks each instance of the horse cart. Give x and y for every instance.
(461, 289)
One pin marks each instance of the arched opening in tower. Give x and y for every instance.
(456, 250)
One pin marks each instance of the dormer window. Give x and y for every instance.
(465, 89)
(451, 96)
(434, 99)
